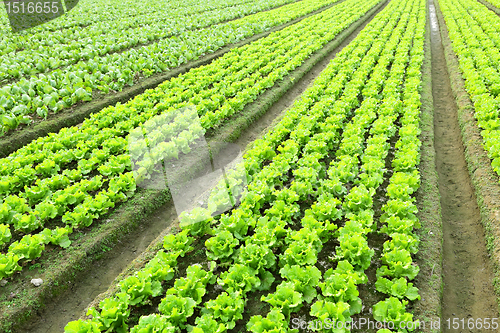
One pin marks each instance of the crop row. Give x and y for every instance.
(63, 88)
(92, 42)
(42, 36)
(399, 218)
(495, 3)
(292, 168)
(80, 173)
(474, 32)
(93, 11)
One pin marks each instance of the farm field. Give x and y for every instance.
(252, 166)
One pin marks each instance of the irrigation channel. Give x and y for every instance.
(467, 272)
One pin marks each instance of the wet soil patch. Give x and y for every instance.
(467, 272)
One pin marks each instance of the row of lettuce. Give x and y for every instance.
(475, 34)
(134, 16)
(62, 88)
(495, 3)
(90, 12)
(313, 178)
(79, 174)
(57, 51)
(98, 12)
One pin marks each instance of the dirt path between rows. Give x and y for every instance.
(468, 290)
(69, 305)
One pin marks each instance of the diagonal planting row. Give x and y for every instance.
(495, 3)
(312, 178)
(399, 219)
(45, 36)
(80, 173)
(62, 88)
(89, 12)
(94, 41)
(474, 32)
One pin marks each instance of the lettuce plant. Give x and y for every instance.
(308, 236)
(354, 248)
(8, 264)
(359, 198)
(327, 208)
(280, 209)
(193, 286)
(263, 236)
(5, 234)
(84, 326)
(334, 186)
(393, 310)
(58, 236)
(114, 313)
(160, 267)
(153, 324)
(26, 223)
(331, 313)
(197, 222)
(177, 309)
(401, 209)
(275, 224)
(29, 247)
(221, 246)
(398, 225)
(286, 299)
(239, 278)
(324, 229)
(398, 263)
(238, 223)
(179, 242)
(257, 257)
(36, 194)
(305, 279)
(274, 322)
(402, 241)
(45, 210)
(299, 253)
(80, 217)
(226, 307)
(399, 288)
(140, 287)
(206, 323)
(340, 286)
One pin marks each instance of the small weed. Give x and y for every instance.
(35, 266)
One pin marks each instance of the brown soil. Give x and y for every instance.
(468, 288)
